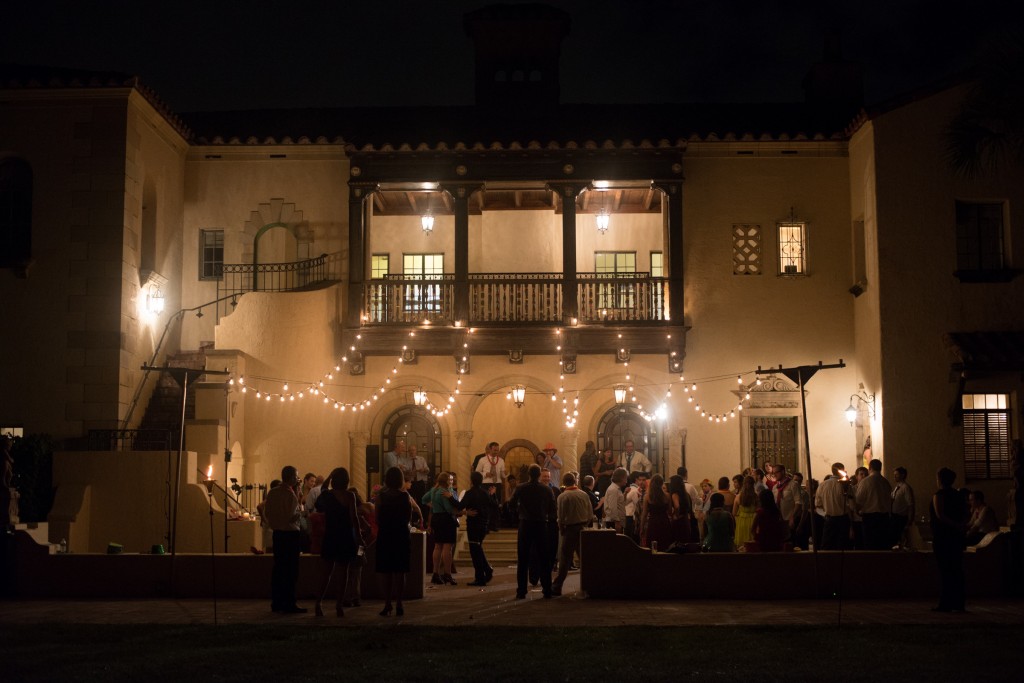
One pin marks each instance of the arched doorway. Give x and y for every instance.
(519, 454)
(624, 423)
(418, 428)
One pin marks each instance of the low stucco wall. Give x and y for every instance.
(612, 562)
(40, 574)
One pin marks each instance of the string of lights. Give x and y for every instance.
(625, 393)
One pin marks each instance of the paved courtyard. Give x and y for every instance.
(495, 605)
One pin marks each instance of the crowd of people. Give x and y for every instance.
(763, 509)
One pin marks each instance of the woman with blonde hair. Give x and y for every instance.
(743, 510)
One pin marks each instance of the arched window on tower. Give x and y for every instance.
(15, 214)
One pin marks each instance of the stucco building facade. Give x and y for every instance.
(737, 238)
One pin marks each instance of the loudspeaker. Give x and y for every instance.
(372, 459)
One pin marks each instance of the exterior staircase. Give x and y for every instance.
(163, 413)
(500, 549)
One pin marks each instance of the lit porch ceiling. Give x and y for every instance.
(501, 197)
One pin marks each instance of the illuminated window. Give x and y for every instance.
(211, 254)
(986, 436)
(657, 264)
(378, 266)
(792, 248)
(15, 213)
(979, 238)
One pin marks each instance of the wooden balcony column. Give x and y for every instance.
(460, 194)
(673, 190)
(569, 191)
(357, 228)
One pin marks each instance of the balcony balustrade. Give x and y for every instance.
(519, 298)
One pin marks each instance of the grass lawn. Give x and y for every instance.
(67, 652)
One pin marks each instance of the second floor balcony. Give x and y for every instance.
(499, 299)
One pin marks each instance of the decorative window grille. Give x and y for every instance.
(986, 436)
(746, 249)
(792, 248)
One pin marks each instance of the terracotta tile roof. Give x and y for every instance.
(30, 77)
(570, 126)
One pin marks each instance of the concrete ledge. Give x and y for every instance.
(616, 567)
(39, 574)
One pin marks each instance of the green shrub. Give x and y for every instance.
(33, 476)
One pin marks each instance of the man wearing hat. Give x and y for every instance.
(551, 462)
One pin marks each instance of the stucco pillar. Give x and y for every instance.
(461, 462)
(568, 192)
(356, 463)
(674, 247)
(570, 453)
(676, 444)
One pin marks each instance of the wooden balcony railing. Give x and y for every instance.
(633, 297)
(516, 298)
(410, 299)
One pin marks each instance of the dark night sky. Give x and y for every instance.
(233, 55)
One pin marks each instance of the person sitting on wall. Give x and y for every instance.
(983, 519)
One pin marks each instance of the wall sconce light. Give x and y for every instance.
(419, 397)
(852, 410)
(155, 301)
(620, 393)
(427, 223)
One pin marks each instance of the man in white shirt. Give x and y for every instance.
(394, 458)
(419, 475)
(903, 507)
(633, 460)
(833, 497)
(574, 513)
(281, 510)
(615, 501)
(551, 462)
(492, 467)
(634, 498)
(874, 501)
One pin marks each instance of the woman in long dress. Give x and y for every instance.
(743, 510)
(342, 536)
(395, 511)
(682, 509)
(656, 515)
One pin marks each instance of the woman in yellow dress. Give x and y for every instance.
(743, 510)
